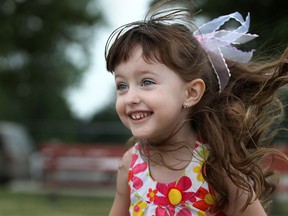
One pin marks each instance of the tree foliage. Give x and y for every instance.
(43, 51)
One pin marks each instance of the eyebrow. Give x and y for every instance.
(138, 72)
(117, 75)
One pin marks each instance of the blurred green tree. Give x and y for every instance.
(43, 51)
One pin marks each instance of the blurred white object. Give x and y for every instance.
(15, 150)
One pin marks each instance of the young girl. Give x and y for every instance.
(200, 115)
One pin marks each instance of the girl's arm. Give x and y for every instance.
(121, 202)
(237, 199)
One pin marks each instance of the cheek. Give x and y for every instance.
(120, 108)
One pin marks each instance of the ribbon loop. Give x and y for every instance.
(220, 44)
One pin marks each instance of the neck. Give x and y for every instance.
(181, 136)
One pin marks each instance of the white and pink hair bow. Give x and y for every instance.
(220, 44)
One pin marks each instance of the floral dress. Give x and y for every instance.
(189, 196)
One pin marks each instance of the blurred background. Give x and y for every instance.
(60, 137)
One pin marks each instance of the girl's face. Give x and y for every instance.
(150, 98)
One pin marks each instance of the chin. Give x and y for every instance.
(140, 133)
(140, 136)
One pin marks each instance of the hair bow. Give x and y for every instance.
(220, 44)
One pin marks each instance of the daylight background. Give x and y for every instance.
(54, 86)
(97, 86)
(52, 68)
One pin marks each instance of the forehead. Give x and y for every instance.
(136, 67)
(150, 50)
(136, 61)
(137, 53)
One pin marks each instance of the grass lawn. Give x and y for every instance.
(23, 204)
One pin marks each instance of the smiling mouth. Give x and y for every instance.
(138, 116)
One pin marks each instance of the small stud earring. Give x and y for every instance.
(185, 105)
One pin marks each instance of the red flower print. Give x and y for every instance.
(174, 193)
(134, 159)
(152, 194)
(184, 212)
(165, 211)
(170, 211)
(207, 200)
(137, 182)
(161, 212)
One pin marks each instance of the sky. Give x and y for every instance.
(97, 85)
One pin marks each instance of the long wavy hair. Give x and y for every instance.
(238, 123)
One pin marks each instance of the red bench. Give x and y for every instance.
(281, 166)
(80, 165)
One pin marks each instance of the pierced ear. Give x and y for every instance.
(195, 91)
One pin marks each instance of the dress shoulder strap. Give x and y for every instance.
(136, 156)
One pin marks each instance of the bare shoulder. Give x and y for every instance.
(237, 199)
(126, 160)
(121, 200)
(122, 176)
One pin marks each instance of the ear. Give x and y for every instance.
(195, 91)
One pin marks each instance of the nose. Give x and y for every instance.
(132, 97)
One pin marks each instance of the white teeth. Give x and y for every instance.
(139, 115)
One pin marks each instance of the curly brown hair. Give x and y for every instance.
(237, 123)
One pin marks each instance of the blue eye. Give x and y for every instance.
(147, 82)
(121, 86)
